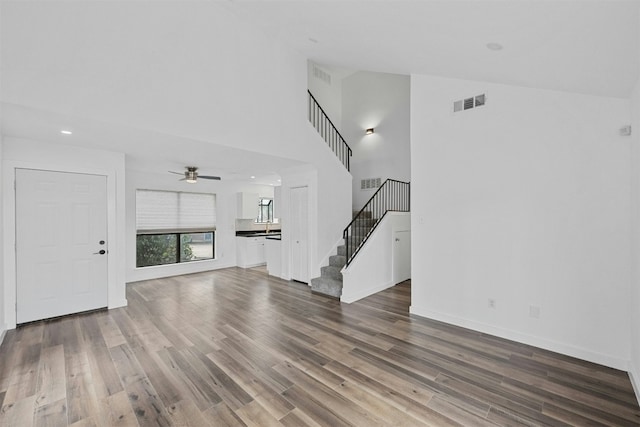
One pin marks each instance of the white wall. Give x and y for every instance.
(226, 206)
(524, 201)
(3, 323)
(218, 80)
(380, 101)
(329, 191)
(246, 90)
(372, 270)
(634, 366)
(19, 153)
(329, 96)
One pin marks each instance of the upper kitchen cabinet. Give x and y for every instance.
(248, 205)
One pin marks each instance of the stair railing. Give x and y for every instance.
(392, 196)
(328, 131)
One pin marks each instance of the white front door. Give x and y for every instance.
(61, 247)
(299, 235)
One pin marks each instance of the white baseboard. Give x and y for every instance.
(358, 294)
(569, 350)
(634, 376)
(118, 304)
(3, 332)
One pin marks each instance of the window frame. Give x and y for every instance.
(177, 259)
(269, 206)
(177, 232)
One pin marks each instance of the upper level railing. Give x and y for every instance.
(328, 131)
(391, 196)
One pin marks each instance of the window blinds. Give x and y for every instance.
(169, 211)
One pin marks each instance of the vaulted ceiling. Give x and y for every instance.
(111, 60)
(581, 46)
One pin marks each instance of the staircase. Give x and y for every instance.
(391, 196)
(330, 280)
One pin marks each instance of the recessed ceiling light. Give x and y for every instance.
(253, 177)
(279, 180)
(66, 132)
(494, 46)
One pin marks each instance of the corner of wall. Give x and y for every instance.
(3, 324)
(634, 300)
(634, 377)
(3, 332)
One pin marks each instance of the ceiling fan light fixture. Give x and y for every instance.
(191, 176)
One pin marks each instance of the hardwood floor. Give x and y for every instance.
(237, 347)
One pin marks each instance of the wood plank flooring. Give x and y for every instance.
(236, 347)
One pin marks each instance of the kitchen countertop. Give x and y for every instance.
(257, 233)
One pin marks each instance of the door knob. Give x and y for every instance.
(101, 242)
(100, 252)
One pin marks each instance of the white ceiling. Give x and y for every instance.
(590, 47)
(146, 150)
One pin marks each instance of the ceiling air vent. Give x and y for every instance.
(320, 74)
(469, 103)
(370, 183)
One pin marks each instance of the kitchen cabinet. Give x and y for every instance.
(247, 205)
(250, 251)
(274, 257)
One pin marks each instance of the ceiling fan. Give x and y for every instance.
(191, 175)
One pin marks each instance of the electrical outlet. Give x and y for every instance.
(534, 311)
(491, 303)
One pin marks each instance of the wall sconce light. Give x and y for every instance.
(368, 131)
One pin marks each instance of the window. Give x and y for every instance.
(174, 227)
(265, 210)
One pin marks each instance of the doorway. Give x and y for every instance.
(299, 234)
(61, 243)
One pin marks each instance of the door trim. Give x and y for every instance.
(115, 286)
(66, 299)
(308, 282)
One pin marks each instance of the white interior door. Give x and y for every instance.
(61, 233)
(401, 256)
(299, 235)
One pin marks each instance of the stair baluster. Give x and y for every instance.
(329, 132)
(392, 196)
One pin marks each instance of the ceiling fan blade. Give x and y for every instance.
(177, 173)
(217, 178)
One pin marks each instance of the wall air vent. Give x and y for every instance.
(469, 103)
(320, 74)
(370, 183)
